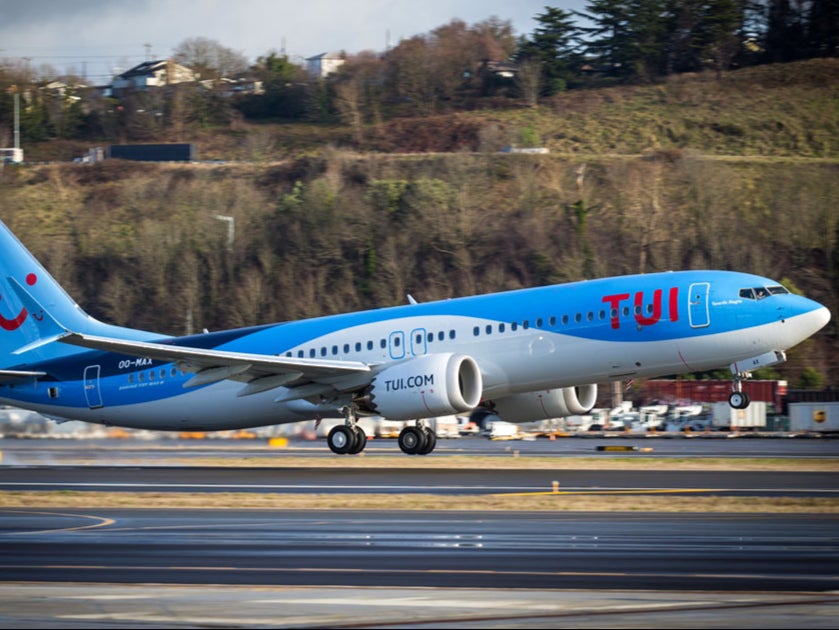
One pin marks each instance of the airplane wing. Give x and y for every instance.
(260, 371)
(304, 378)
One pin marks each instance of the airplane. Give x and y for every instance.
(526, 354)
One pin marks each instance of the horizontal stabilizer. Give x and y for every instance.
(18, 376)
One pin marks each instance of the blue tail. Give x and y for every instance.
(18, 327)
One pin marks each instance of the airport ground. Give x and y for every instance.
(578, 532)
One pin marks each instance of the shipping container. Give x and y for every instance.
(822, 417)
(711, 391)
(153, 152)
(724, 416)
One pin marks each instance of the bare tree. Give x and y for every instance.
(209, 59)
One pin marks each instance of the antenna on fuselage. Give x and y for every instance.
(411, 299)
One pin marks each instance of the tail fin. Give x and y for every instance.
(17, 329)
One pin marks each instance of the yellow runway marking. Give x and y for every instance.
(103, 522)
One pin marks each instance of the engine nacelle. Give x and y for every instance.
(551, 403)
(424, 387)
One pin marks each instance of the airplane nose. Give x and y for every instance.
(820, 317)
(816, 319)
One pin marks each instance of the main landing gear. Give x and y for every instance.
(417, 440)
(350, 439)
(347, 438)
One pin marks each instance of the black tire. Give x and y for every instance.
(739, 400)
(341, 439)
(430, 441)
(359, 440)
(412, 441)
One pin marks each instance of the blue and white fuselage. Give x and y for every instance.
(532, 353)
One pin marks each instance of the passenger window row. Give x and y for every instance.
(358, 346)
(565, 320)
(154, 375)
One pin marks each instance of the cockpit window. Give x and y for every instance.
(758, 293)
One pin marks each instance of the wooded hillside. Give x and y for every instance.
(326, 229)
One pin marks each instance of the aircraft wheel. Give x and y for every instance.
(359, 440)
(430, 441)
(412, 441)
(341, 439)
(739, 400)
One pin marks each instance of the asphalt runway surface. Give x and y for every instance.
(119, 567)
(715, 445)
(408, 481)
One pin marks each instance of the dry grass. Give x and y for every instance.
(548, 501)
(585, 501)
(509, 460)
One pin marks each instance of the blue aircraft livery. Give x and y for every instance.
(527, 355)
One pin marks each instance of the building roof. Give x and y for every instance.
(145, 68)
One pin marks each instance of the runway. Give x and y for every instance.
(439, 481)
(153, 452)
(350, 568)
(416, 568)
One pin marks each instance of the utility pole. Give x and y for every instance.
(16, 93)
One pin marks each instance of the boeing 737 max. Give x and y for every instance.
(527, 354)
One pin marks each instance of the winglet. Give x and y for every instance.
(49, 329)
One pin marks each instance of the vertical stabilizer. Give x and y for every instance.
(17, 328)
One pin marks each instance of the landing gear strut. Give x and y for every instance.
(738, 398)
(347, 438)
(417, 440)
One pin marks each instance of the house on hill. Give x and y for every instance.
(150, 74)
(324, 64)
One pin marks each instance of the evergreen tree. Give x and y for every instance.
(630, 37)
(556, 47)
(823, 28)
(785, 31)
(610, 39)
(723, 32)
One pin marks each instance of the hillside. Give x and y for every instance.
(323, 226)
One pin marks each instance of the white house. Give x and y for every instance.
(324, 64)
(151, 74)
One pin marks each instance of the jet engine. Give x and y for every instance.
(551, 403)
(424, 387)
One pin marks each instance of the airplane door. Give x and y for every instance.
(698, 305)
(92, 393)
(396, 344)
(419, 345)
